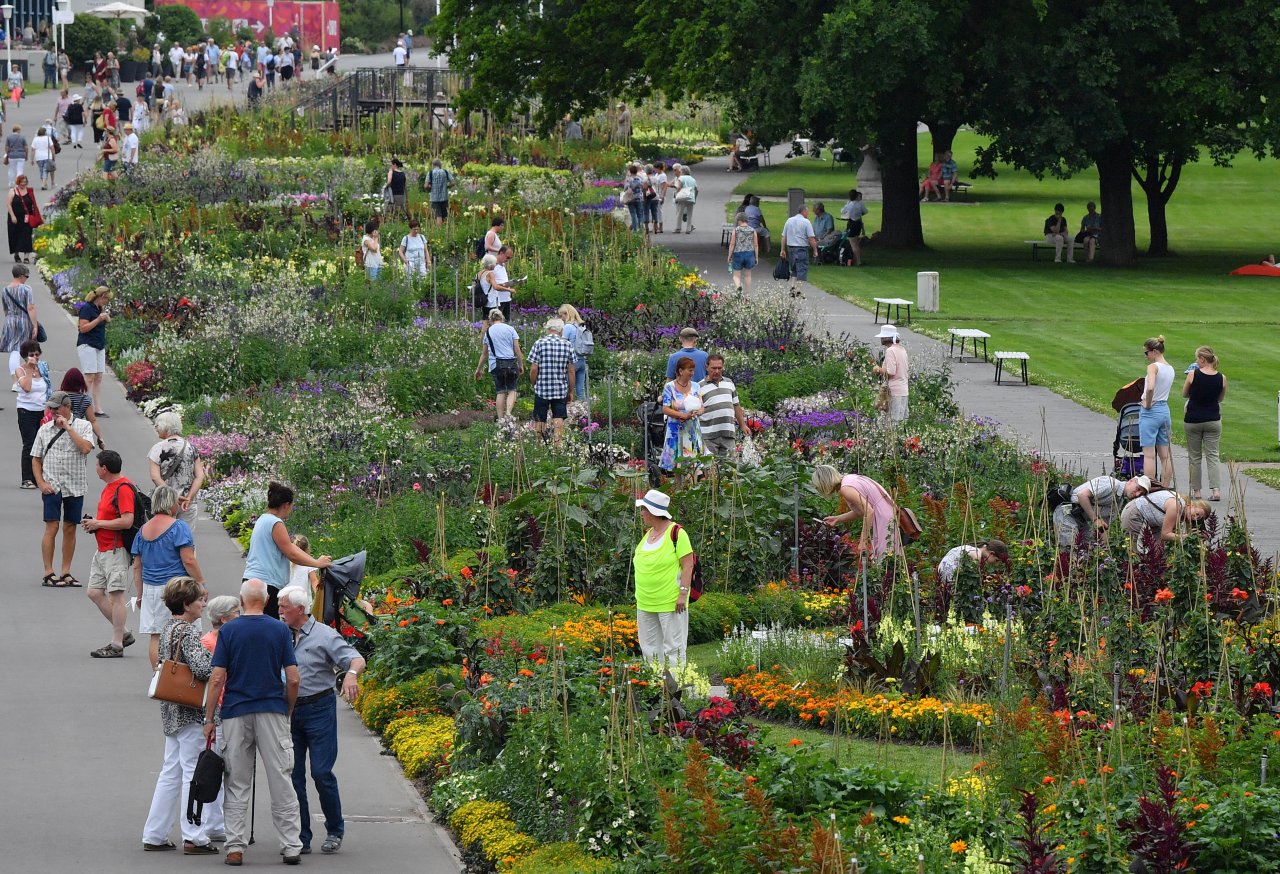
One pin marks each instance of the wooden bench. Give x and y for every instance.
(895, 304)
(1037, 245)
(726, 231)
(1001, 357)
(969, 335)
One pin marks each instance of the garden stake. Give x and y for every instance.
(1008, 639)
(795, 522)
(608, 403)
(1115, 691)
(866, 613)
(1262, 778)
(915, 606)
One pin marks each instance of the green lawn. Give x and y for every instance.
(1266, 475)
(1084, 324)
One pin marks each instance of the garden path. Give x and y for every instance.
(82, 742)
(1074, 436)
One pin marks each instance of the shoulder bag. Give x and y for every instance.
(174, 682)
(501, 365)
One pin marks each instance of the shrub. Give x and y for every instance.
(87, 35)
(421, 744)
(560, 858)
(768, 389)
(178, 23)
(488, 824)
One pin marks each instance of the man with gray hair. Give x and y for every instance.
(321, 653)
(252, 656)
(551, 371)
(798, 239)
(175, 463)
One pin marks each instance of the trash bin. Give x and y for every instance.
(927, 292)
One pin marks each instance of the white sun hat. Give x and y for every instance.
(656, 502)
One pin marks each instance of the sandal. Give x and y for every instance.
(102, 414)
(51, 582)
(70, 582)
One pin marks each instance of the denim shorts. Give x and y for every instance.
(1154, 425)
(505, 380)
(744, 260)
(69, 508)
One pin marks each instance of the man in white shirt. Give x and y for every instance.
(1094, 505)
(502, 282)
(399, 55)
(175, 59)
(129, 148)
(798, 240)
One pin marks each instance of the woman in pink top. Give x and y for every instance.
(895, 369)
(860, 497)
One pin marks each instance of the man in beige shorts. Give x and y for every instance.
(109, 574)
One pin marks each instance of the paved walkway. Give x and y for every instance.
(82, 744)
(1077, 438)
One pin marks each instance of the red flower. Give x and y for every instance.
(466, 573)
(1261, 690)
(1240, 594)
(1203, 689)
(1164, 596)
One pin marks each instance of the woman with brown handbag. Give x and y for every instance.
(183, 725)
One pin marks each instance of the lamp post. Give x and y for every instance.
(64, 6)
(7, 9)
(271, 21)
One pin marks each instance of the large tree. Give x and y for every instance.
(1134, 87)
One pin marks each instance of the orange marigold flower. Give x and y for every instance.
(404, 623)
(1164, 596)
(1047, 780)
(795, 742)
(448, 602)
(958, 847)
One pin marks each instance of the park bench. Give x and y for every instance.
(969, 335)
(1001, 357)
(726, 231)
(895, 304)
(1037, 245)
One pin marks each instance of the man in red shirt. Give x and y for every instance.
(109, 575)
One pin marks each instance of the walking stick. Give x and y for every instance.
(253, 796)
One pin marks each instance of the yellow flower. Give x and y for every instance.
(902, 820)
(958, 847)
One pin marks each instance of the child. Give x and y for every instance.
(308, 578)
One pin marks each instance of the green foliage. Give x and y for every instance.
(422, 637)
(88, 34)
(770, 388)
(179, 24)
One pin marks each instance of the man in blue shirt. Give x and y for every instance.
(321, 653)
(689, 349)
(255, 663)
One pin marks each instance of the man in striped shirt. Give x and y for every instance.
(721, 410)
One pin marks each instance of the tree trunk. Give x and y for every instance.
(1115, 196)
(943, 134)
(900, 220)
(1158, 185)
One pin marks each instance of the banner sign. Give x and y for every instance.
(310, 23)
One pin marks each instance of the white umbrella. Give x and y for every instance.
(119, 10)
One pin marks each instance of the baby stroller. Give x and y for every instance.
(341, 584)
(654, 425)
(837, 249)
(1127, 449)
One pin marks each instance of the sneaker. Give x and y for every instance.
(293, 860)
(331, 844)
(129, 639)
(306, 851)
(110, 651)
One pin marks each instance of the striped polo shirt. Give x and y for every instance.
(718, 402)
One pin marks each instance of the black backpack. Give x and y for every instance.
(1058, 495)
(479, 297)
(479, 248)
(141, 513)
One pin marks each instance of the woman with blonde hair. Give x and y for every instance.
(307, 578)
(573, 328)
(1154, 424)
(1164, 512)
(860, 497)
(1204, 389)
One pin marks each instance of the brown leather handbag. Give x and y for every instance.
(174, 682)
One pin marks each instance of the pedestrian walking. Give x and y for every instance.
(577, 336)
(33, 383)
(1154, 423)
(414, 253)
(43, 152)
(109, 572)
(255, 675)
(686, 195)
(371, 246)
(500, 348)
(16, 152)
(438, 181)
(744, 252)
(20, 320)
(321, 653)
(551, 371)
(183, 601)
(74, 117)
(222, 610)
(682, 405)
(663, 560)
(163, 548)
(271, 550)
(1204, 388)
(174, 462)
(58, 466)
(398, 186)
(798, 240)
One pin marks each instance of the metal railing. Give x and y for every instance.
(370, 90)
